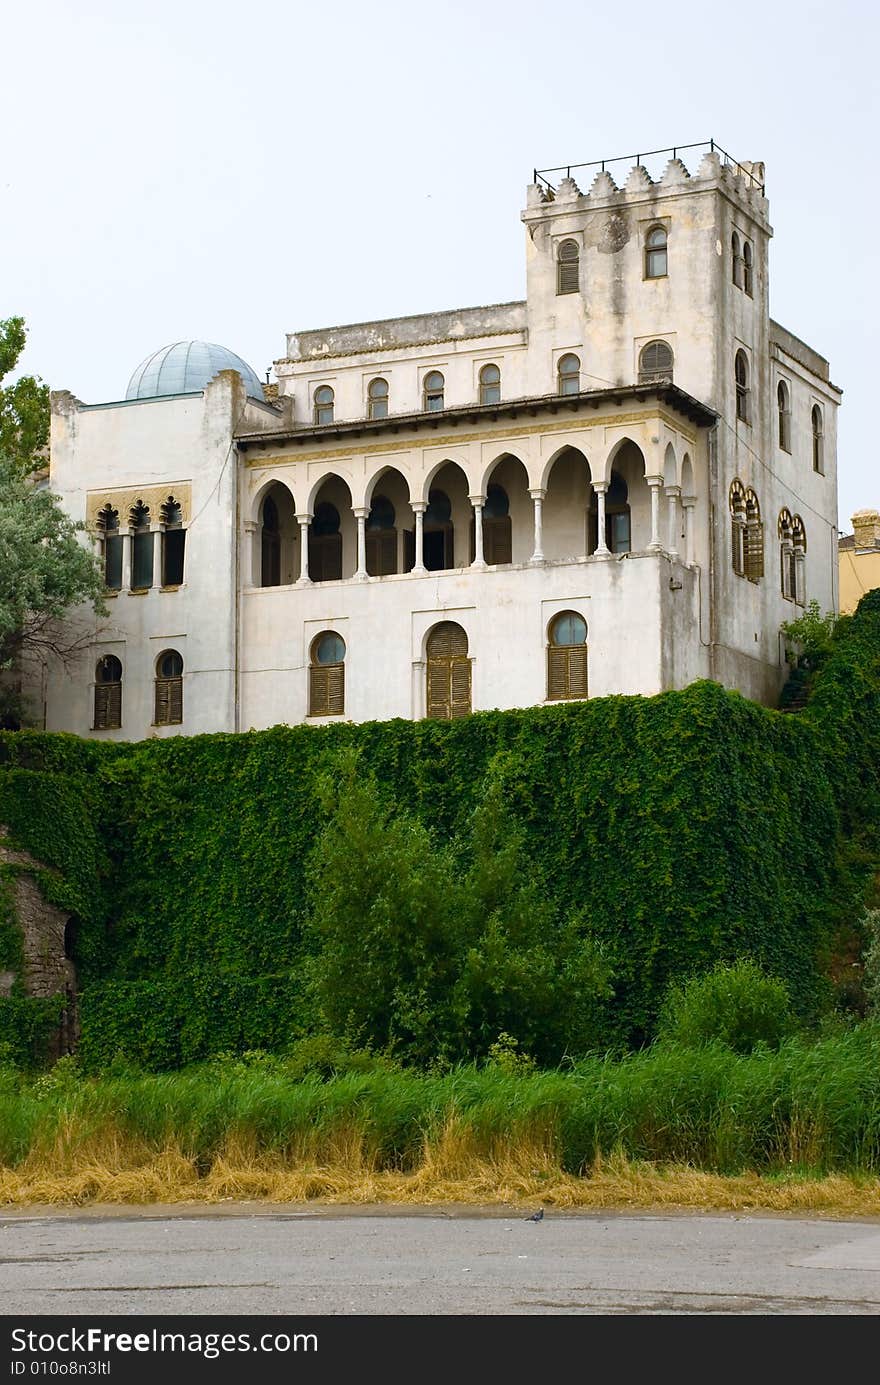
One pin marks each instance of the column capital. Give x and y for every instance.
(304, 519)
(673, 492)
(250, 526)
(600, 487)
(361, 512)
(477, 500)
(537, 492)
(654, 480)
(688, 501)
(418, 507)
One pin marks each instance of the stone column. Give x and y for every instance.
(304, 579)
(361, 569)
(156, 531)
(672, 496)
(655, 482)
(688, 504)
(418, 508)
(538, 498)
(600, 487)
(126, 560)
(478, 502)
(247, 577)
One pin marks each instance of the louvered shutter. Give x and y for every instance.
(335, 689)
(497, 540)
(460, 681)
(162, 717)
(439, 692)
(737, 545)
(754, 545)
(557, 673)
(577, 671)
(327, 690)
(382, 553)
(108, 706)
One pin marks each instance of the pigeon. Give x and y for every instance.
(536, 1216)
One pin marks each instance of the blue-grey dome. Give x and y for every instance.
(186, 367)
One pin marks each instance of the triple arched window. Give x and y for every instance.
(747, 532)
(327, 675)
(568, 267)
(567, 657)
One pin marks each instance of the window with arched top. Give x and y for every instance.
(618, 523)
(787, 565)
(381, 538)
(748, 267)
(173, 542)
(327, 675)
(737, 503)
(656, 253)
(490, 384)
(168, 709)
(108, 693)
(799, 545)
(568, 267)
(567, 657)
(783, 415)
(818, 439)
(754, 538)
(111, 541)
(741, 382)
(568, 374)
(655, 362)
(270, 541)
(448, 672)
(141, 547)
(736, 260)
(324, 404)
(438, 537)
(433, 391)
(325, 544)
(377, 398)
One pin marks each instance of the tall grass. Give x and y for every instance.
(234, 1129)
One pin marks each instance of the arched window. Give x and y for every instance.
(741, 377)
(737, 503)
(490, 385)
(567, 657)
(377, 398)
(433, 388)
(818, 440)
(783, 410)
(438, 540)
(655, 253)
(448, 672)
(497, 531)
(568, 267)
(568, 374)
(381, 538)
(173, 542)
(655, 362)
(324, 397)
(325, 544)
(169, 689)
(141, 548)
(108, 693)
(327, 675)
(747, 267)
(270, 545)
(108, 527)
(787, 565)
(754, 538)
(737, 260)
(799, 544)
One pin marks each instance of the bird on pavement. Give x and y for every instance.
(536, 1216)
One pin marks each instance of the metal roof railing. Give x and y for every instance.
(541, 174)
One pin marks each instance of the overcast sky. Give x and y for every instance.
(210, 169)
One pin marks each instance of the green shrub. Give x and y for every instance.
(736, 1005)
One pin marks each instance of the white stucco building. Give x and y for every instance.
(620, 484)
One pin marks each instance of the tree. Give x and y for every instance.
(44, 568)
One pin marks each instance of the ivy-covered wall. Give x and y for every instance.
(690, 827)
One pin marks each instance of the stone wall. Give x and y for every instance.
(47, 970)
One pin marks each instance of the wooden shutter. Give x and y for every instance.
(577, 671)
(325, 557)
(754, 550)
(169, 701)
(439, 690)
(738, 545)
(460, 681)
(326, 690)
(497, 540)
(108, 706)
(557, 673)
(382, 553)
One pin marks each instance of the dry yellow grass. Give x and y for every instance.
(451, 1170)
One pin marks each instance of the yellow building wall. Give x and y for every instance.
(859, 573)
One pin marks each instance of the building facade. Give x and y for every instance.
(859, 554)
(625, 482)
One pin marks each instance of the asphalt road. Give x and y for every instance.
(272, 1260)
